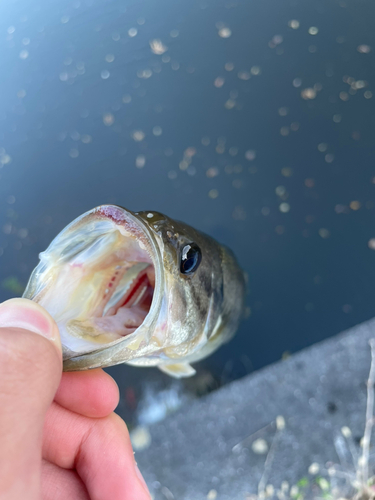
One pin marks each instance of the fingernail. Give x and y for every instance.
(26, 314)
(141, 479)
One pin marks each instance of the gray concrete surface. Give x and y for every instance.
(317, 391)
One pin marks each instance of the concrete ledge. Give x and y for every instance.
(317, 391)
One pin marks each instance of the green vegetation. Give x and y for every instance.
(13, 285)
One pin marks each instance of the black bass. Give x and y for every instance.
(138, 288)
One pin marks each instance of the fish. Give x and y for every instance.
(138, 288)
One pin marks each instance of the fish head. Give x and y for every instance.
(137, 288)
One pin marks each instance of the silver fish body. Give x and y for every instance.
(138, 288)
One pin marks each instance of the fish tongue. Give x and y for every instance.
(124, 322)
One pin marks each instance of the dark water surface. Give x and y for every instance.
(253, 121)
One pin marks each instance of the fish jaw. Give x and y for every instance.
(104, 252)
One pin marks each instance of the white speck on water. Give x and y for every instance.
(108, 119)
(371, 243)
(22, 233)
(174, 33)
(157, 46)
(65, 19)
(284, 207)
(213, 193)
(132, 32)
(150, 215)
(324, 233)
(25, 41)
(250, 155)
(219, 82)
(364, 49)
(138, 135)
(309, 93)
(144, 73)
(105, 74)
(24, 54)
(86, 139)
(230, 104)
(212, 495)
(280, 190)
(280, 423)
(297, 82)
(313, 30)
(294, 24)
(225, 32)
(74, 153)
(140, 161)
(109, 58)
(157, 131)
(244, 75)
(260, 446)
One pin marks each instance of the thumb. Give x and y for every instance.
(30, 372)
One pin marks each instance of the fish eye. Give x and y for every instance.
(191, 257)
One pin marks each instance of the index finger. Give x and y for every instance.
(92, 393)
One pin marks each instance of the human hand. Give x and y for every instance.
(59, 437)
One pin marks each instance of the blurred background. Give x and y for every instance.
(251, 120)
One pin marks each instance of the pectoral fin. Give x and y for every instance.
(178, 370)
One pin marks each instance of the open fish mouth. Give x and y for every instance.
(98, 279)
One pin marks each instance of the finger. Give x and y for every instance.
(92, 393)
(99, 449)
(61, 484)
(30, 371)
